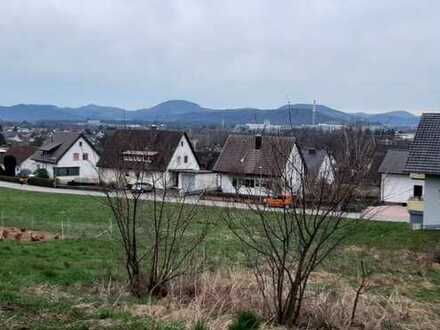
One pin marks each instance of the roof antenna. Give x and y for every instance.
(290, 112)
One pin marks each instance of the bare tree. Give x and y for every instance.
(364, 275)
(158, 232)
(286, 245)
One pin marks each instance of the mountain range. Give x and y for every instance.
(191, 113)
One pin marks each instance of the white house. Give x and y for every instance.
(67, 157)
(165, 159)
(423, 164)
(396, 185)
(259, 165)
(319, 164)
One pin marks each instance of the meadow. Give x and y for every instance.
(78, 282)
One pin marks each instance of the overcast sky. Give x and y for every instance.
(349, 54)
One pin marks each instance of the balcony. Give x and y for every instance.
(415, 204)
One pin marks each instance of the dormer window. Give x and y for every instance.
(139, 156)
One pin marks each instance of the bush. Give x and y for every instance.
(10, 178)
(36, 181)
(200, 325)
(41, 173)
(246, 321)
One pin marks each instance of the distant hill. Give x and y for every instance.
(394, 118)
(189, 112)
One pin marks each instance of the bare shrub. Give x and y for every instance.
(158, 233)
(286, 245)
(217, 298)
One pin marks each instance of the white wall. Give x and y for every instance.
(397, 188)
(326, 171)
(431, 214)
(157, 179)
(197, 182)
(225, 182)
(88, 171)
(294, 170)
(177, 160)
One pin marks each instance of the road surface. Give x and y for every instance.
(380, 213)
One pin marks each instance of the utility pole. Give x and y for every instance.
(314, 113)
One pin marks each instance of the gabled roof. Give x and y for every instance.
(424, 153)
(240, 155)
(207, 159)
(21, 153)
(54, 148)
(394, 162)
(313, 158)
(159, 144)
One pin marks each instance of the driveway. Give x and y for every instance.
(393, 213)
(379, 213)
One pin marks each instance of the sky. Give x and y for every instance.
(352, 55)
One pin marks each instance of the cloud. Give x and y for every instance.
(353, 55)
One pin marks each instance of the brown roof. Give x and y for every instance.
(207, 159)
(54, 147)
(157, 145)
(313, 159)
(394, 162)
(240, 155)
(21, 153)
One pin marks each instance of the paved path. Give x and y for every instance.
(381, 213)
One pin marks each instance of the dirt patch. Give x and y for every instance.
(22, 234)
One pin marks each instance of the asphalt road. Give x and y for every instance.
(380, 213)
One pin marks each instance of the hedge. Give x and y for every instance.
(40, 182)
(15, 179)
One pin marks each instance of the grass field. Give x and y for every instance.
(72, 282)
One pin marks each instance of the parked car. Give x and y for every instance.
(141, 187)
(280, 201)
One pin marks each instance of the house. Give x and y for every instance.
(318, 164)
(162, 158)
(259, 165)
(22, 156)
(423, 164)
(67, 157)
(396, 186)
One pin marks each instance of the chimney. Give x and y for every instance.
(258, 142)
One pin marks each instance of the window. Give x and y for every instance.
(80, 143)
(76, 156)
(85, 156)
(181, 143)
(66, 171)
(250, 183)
(179, 159)
(238, 182)
(418, 191)
(185, 159)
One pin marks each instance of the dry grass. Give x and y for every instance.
(217, 297)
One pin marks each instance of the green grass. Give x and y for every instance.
(88, 258)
